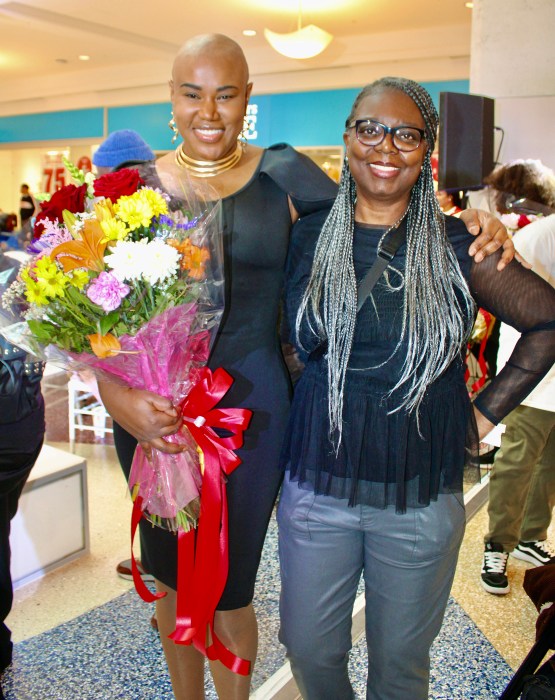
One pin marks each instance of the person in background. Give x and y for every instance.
(27, 208)
(263, 191)
(522, 179)
(527, 179)
(381, 423)
(21, 436)
(122, 149)
(522, 480)
(450, 202)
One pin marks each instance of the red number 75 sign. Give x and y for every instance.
(53, 178)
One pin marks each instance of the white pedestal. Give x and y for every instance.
(51, 526)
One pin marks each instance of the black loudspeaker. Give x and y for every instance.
(466, 136)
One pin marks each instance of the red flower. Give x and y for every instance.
(119, 184)
(523, 221)
(69, 197)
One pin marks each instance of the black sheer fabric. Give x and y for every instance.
(386, 456)
(523, 300)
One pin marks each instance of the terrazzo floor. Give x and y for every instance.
(81, 632)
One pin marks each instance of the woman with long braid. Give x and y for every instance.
(382, 425)
(263, 192)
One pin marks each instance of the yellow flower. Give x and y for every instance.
(114, 230)
(45, 267)
(53, 285)
(104, 209)
(134, 211)
(51, 281)
(78, 278)
(156, 202)
(34, 294)
(25, 275)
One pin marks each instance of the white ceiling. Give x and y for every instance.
(43, 39)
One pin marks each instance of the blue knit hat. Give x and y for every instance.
(120, 147)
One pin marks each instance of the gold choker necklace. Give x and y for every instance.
(207, 168)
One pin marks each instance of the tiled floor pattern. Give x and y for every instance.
(112, 652)
(82, 633)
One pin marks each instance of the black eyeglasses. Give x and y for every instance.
(371, 133)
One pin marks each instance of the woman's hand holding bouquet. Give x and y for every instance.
(127, 281)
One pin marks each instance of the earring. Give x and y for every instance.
(242, 138)
(173, 127)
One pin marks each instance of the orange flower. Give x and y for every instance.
(193, 258)
(87, 253)
(104, 345)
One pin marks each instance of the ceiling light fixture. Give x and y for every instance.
(306, 42)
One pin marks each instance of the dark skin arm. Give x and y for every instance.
(490, 235)
(147, 416)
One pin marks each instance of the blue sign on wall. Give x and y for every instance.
(300, 118)
(50, 126)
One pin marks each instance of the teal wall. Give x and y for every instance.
(47, 126)
(301, 119)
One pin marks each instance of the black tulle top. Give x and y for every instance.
(384, 458)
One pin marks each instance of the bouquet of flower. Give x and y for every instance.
(126, 280)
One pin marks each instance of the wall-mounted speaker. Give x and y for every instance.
(466, 138)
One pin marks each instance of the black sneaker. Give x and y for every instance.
(494, 569)
(537, 553)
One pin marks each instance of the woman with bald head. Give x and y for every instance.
(263, 192)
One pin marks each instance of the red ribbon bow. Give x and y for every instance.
(202, 554)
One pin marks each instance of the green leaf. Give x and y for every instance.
(108, 322)
(42, 331)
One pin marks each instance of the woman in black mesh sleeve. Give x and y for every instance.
(382, 424)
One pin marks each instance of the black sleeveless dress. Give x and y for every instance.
(257, 225)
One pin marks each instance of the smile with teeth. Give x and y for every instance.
(381, 170)
(208, 133)
(384, 168)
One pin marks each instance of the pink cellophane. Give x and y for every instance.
(164, 357)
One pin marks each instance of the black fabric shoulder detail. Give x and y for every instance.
(308, 186)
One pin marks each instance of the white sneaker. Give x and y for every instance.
(494, 569)
(537, 553)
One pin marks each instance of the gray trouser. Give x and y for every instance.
(408, 562)
(522, 481)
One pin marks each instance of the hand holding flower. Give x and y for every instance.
(145, 415)
(127, 282)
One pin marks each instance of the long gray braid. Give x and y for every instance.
(437, 306)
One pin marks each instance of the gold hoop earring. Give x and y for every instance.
(173, 127)
(242, 138)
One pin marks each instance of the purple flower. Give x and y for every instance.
(53, 236)
(107, 291)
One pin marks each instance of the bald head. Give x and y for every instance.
(215, 47)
